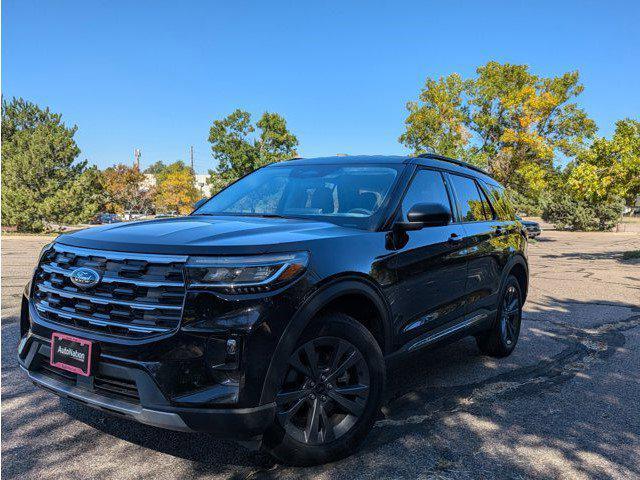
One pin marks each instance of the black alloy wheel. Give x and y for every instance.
(325, 391)
(329, 393)
(502, 337)
(510, 318)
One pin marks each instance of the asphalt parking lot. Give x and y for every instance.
(564, 405)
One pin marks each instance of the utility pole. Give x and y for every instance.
(191, 153)
(136, 155)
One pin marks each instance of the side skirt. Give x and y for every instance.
(452, 331)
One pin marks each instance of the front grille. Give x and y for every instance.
(138, 295)
(116, 387)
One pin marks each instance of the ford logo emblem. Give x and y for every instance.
(84, 277)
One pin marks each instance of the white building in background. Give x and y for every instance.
(149, 181)
(200, 183)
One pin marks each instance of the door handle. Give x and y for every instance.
(454, 238)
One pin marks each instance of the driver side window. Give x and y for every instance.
(427, 186)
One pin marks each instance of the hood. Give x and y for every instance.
(195, 235)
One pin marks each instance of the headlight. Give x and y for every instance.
(246, 274)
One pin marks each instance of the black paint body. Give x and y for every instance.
(410, 288)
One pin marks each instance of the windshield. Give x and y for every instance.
(347, 195)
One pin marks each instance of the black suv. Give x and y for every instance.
(269, 313)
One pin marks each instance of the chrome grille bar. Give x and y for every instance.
(134, 281)
(102, 323)
(138, 294)
(107, 301)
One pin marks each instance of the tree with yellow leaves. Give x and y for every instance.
(176, 190)
(125, 190)
(506, 119)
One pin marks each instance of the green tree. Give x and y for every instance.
(569, 212)
(155, 168)
(41, 180)
(78, 201)
(505, 119)
(596, 184)
(609, 168)
(240, 151)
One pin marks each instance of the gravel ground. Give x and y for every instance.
(564, 405)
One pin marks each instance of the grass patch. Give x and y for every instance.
(631, 255)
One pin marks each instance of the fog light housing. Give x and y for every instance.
(232, 346)
(222, 354)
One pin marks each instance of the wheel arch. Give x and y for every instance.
(519, 268)
(338, 294)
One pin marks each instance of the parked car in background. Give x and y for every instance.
(532, 228)
(166, 215)
(132, 215)
(269, 314)
(106, 218)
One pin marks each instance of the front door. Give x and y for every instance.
(430, 264)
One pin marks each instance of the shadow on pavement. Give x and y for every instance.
(607, 255)
(542, 239)
(450, 412)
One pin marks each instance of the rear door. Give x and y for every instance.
(431, 269)
(483, 242)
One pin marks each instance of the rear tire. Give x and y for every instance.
(501, 339)
(329, 396)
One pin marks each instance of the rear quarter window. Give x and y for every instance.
(499, 200)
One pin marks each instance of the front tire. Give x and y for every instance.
(330, 394)
(501, 339)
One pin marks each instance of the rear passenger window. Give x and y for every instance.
(472, 204)
(500, 201)
(427, 186)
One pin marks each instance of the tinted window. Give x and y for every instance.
(500, 201)
(427, 186)
(486, 203)
(472, 206)
(348, 195)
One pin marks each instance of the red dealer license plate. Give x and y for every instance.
(71, 354)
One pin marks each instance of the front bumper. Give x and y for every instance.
(132, 393)
(207, 374)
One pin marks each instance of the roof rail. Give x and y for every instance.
(435, 156)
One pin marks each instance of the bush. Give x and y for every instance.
(530, 207)
(568, 213)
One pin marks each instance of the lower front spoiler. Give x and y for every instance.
(236, 424)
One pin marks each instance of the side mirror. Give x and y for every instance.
(199, 203)
(426, 215)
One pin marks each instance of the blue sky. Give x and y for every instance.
(154, 75)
